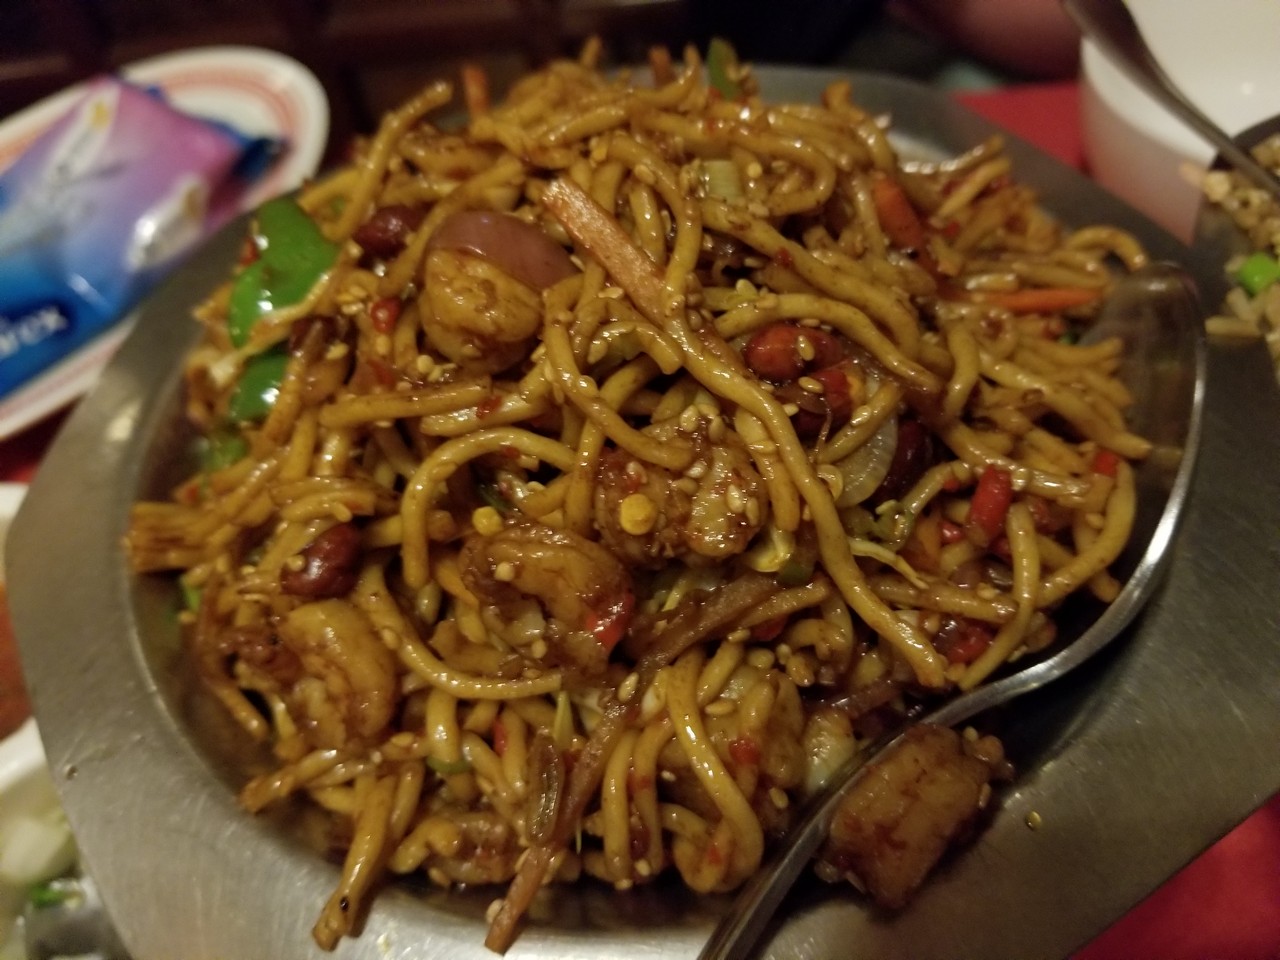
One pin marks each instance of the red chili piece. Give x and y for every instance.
(962, 641)
(610, 625)
(990, 505)
(744, 751)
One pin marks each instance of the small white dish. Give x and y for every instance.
(1222, 55)
(261, 92)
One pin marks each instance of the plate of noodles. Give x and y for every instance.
(542, 507)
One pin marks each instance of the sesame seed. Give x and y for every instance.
(754, 170)
(342, 513)
(753, 511)
(643, 868)
(336, 351)
(382, 344)
(734, 499)
(810, 385)
(791, 409)
(716, 430)
(779, 798)
(610, 293)
(597, 351)
(689, 419)
(760, 658)
(668, 776)
(1034, 820)
(538, 649)
(491, 911)
(687, 485)
(627, 689)
(624, 885)
(504, 572)
(296, 563)
(636, 472)
(720, 708)
(805, 349)
(697, 470)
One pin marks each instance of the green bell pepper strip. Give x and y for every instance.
(1259, 271)
(293, 255)
(259, 385)
(722, 66)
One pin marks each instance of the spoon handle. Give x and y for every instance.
(1111, 25)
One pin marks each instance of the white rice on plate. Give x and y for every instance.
(1252, 307)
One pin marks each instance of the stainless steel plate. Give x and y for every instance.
(1134, 765)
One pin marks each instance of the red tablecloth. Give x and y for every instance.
(1223, 906)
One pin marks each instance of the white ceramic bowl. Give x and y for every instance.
(1223, 54)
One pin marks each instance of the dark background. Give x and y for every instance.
(371, 54)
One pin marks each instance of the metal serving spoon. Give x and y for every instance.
(1110, 24)
(1157, 313)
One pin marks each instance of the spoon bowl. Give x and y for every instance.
(1156, 312)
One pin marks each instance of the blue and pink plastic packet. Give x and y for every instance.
(100, 207)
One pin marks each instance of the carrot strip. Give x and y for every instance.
(603, 239)
(898, 218)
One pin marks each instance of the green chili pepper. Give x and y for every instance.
(795, 572)
(493, 497)
(51, 894)
(223, 447)
(259, 385)
(722, 68)
(293, 255)
(1257, 273)
(190, 596)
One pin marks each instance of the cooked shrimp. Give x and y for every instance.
(349, 681)
(647, 514)
(475, 314)
(486, 851)
(558, 596)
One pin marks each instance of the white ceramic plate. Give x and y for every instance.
(261, 92)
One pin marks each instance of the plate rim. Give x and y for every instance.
(307, 103)
(393, 918)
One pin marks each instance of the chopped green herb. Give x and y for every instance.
(1257, 273)
(723, 69)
